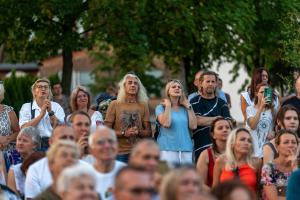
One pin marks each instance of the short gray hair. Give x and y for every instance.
(102, 128)
(34, 134)
(68, 175)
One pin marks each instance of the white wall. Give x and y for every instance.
(232, 88)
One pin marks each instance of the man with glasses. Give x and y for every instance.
(104, 147)
(42, 113)
(133, 183)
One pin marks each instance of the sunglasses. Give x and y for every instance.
(140, 190)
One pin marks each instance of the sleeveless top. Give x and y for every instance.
(210, 167)
(244, 173)
(275, 152)
(5, 125)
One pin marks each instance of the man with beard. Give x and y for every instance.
(207, 107)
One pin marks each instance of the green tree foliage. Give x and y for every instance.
(34, 30)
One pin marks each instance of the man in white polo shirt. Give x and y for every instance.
(38, 176)
(42, 113)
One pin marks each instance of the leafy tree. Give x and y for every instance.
(34, 30)
(18, 90)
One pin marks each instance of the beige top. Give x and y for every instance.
(121, 116)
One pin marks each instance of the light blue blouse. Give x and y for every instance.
(177, 137)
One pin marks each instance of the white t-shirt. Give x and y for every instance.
(97, 120)
(264, 127)
(44, 125)
(105, 181)
(39, 177)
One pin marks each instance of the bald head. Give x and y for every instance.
(62, 132)
(145, 154)
(100, 131)
(103, 144)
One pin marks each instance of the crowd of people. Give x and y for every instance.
(63, 148)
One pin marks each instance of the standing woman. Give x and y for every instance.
(176, 117)
(275, 174)
(81, 100)
(220, 129)
(260, 119)
(237, 162)
(9, 129)
(288, 119)
(260, 75)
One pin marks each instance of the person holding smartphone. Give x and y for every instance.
(260, 118)
(81, 125)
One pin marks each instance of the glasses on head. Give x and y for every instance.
(140, 190)
(42, 87)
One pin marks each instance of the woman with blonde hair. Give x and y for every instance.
(176, 117)
(81, 100)
(180, 184)
(237, 162)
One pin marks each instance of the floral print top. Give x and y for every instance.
(270, 175)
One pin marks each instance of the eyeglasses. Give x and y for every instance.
(140, 190)
(42, 87)
(101, 142)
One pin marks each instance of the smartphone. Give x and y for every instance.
(268, 94)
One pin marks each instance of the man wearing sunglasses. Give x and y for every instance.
(133, 183)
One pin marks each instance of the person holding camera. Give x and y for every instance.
(260, 117)
(42, 113)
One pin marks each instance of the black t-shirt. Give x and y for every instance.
(294, 101)
(207, 108)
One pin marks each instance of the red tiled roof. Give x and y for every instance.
(82, 61)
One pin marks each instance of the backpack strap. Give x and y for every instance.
(32, 111)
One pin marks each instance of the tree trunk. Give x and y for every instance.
(2, 53)
(67, 71)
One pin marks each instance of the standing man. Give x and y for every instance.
(129, 115)
(104, 147)
(295, 100)
(42, 113)
(207, 107)
(60, 98)
(196, 83)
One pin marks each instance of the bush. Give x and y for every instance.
(18, 90)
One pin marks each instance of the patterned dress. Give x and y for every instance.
(271, 176)
(11, 156)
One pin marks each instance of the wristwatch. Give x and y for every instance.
(51, 113)
(189, 107)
